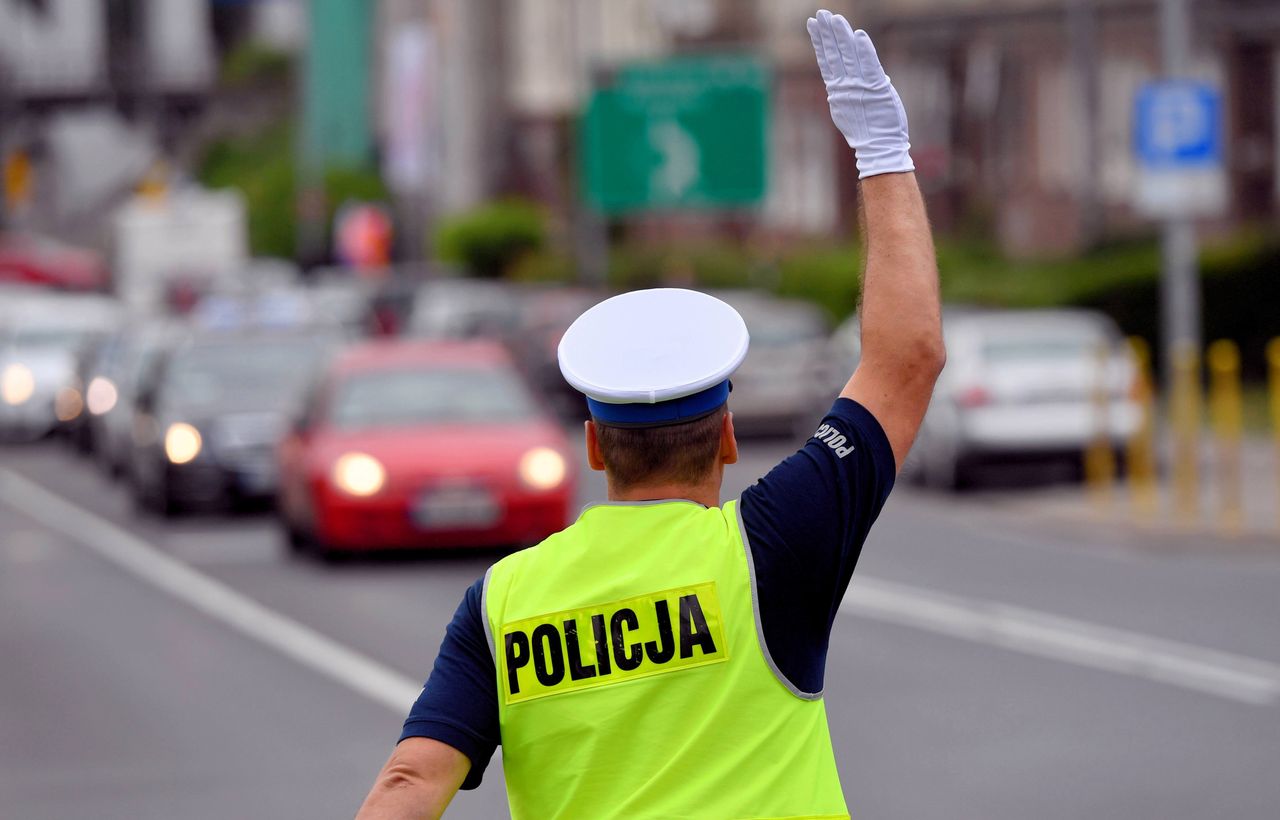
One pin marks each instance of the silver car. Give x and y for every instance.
(40, 336)
(464, 309)
(781, 388)
(1019, 385)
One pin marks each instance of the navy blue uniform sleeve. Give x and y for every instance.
(459, 704)
(805, 523)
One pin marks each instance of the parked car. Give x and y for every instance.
(781, 387)
(1019, 385)
(40, 337)
(208, 417)
(423, 444)
(544, 315)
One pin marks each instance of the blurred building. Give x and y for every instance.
(90, 93)
(514, 76)
(1020, 109)
(556, 48)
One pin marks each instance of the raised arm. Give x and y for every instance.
(902, 349)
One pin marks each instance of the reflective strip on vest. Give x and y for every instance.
(632, 679)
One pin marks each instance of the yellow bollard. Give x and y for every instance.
(1185, 417)
(1227, 411)
(1273, 381)
(1099, 458)
(1140, 450)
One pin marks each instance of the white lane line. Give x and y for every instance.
(356, 671)
(1208, 671)
(1014, 628)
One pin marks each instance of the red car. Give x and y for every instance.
(422, 444)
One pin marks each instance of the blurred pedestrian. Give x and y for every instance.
(664, 655)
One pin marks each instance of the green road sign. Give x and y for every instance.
(683, 133)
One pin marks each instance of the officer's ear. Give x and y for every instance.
(594, 458)
(728, 441)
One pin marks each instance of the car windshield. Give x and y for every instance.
(429, 396)
(1029, 348)
(269, 370)
(58, 338)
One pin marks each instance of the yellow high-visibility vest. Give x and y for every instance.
(633, 679)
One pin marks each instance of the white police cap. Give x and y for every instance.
(654, 357)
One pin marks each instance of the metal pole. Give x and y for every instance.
(1175, 36)
(1180, 289)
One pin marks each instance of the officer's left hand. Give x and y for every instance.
(864, 104)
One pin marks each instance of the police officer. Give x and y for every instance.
(664, 655)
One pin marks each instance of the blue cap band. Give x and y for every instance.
(674, 411)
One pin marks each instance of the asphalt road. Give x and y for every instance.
(987, 664)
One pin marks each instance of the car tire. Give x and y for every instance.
(304, 544)
(332, 558)
(164, 504)
(952, 472)
(294, 539)
(326, 554)
(155, 500)
(938, 469)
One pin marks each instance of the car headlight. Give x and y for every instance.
(542, 468)
(359, 474)
(68, 404)
(101, 395)
(17, 384)
(182, 442)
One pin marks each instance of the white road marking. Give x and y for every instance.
(356, 671)
(1013, 628)
(1208, 671)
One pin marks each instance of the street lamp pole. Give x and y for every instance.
(1179, 289)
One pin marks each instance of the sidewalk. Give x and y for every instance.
(1113, 512)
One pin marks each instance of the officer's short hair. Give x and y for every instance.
(676, 453)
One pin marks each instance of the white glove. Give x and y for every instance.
(864, 104)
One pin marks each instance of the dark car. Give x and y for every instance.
(211, 412)
(111, 394)
(545, 314)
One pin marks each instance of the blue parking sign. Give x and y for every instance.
(1178, 125)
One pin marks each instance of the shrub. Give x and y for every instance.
(490, 239)
(256, 64)
(263, 167)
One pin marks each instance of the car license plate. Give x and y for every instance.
(460, 508)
